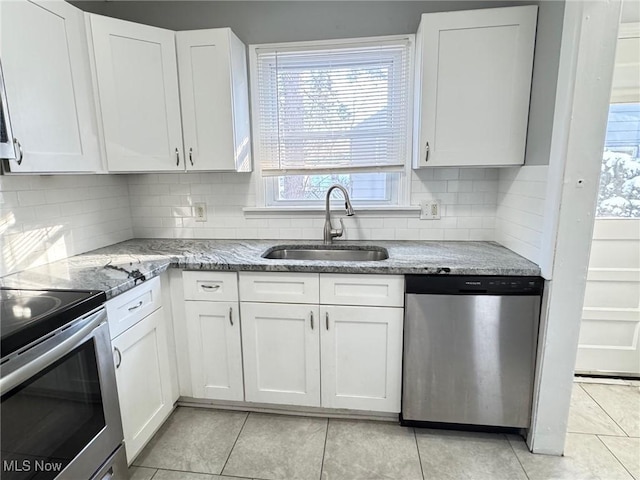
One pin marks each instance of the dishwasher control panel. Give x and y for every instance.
(475, 285)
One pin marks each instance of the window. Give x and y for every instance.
(333, 112)
(619, 194)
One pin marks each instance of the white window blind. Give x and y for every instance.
(334, 107)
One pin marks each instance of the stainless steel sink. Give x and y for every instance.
(339, 254)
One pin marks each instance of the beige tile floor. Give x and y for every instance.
(603, 442)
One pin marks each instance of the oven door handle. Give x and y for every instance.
(66, 341)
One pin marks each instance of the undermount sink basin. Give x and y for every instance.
(331, 253)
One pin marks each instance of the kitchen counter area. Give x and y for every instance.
(104, 268)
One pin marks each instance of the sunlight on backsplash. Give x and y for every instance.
(32, 248)
(47, 218)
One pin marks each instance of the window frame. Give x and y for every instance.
(265, 185)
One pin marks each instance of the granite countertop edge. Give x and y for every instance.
(152, 257)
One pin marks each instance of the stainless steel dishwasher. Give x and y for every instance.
(469, 349)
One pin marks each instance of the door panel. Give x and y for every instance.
(48, 83)
(361, 357)
(474, 86)
(609, 341)
(281, 346)
(143, 378)
(213, 330)
(138, 88)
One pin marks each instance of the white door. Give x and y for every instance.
(610, 331)
(361, 357)
(281, 349)
(48, 81)
(137, 78)
(213, 331)
(474, 77)
(214, 96)
(144, 380)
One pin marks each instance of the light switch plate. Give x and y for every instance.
(430, 210)
(200, 212)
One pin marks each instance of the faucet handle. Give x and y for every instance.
(338, 231)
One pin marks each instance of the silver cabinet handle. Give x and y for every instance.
(311, 320)
(191, 155)
(116, 350)
(326, 320)
(177, 157)
(135, 307)
(211, 287)
(231, 315)
(20, 151)
(426, 156)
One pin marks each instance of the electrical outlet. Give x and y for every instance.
(200, 212)
(430, 210)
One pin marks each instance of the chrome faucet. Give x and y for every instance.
(329, 232)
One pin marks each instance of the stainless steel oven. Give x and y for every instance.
(8, 145)
(60, 412)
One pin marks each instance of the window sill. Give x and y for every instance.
(405, 211)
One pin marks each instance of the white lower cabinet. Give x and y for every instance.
(361, 351)
(333, 356)
(281, 345)
(215, 353)
(143, 377)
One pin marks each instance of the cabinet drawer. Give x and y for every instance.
(367, 290)
(273, 287)
(211, 286)
(129, 308)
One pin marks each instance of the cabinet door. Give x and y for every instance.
(213, 331)
(473, 87)
(137, 79)
(281, 349)
(48, 82)
(361, 357)
(214, 98)
(144, 380)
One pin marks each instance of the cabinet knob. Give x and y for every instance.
(191, 155)
(426, 155)
(326, 320)
(231, 316)
(311, 317)
(177, 157)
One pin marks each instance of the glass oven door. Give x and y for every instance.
(60, 414)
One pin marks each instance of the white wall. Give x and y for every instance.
(161, 206)
(47, 218)
(520, 209)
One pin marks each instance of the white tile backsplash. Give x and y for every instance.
(161, 206)
(520, 209)
(47, 218)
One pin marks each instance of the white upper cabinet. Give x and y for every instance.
(473, 80)
(137, 80)
(48, 81)
(212, 68)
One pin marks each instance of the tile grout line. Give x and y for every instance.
(614, 455)
(324, 449)
(517, 457)
(626, 435)
(234, 443)
(415, 437)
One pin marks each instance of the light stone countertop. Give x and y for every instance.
(153, 256)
